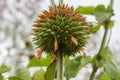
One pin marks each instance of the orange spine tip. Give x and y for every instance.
(84, 52)
(55, 45)
(39, 57)
(74, 40)
(39, 53)
(53, 56)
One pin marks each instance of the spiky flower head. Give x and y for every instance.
(60, 29)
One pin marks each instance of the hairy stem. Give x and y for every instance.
(60, 66)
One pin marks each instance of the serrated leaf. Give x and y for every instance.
(101, 13)
(85, 10)
(109, 63)
(39, 75)
(4, 68)
(14, 78)
(42, 62)
(95, 29)
(73, 66)
(23, 73)
(49, 74)
(105, 76)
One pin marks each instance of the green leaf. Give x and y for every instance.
(111, 69)
(39, 75)
(4, 68)
(102, 14)
(95, 29)
(105, 76)
(23, 73)
(14, 78)
(109, 63)
(85, 10)
(73, 66)
(96, 62)
(1, 77)
(118, 77)
(42, 62)
(49, 74)
(111, 23)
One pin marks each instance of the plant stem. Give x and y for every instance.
(101, 48)
(104, 39)
(110, 33)
(111, 3)
(67, 78)
(93, 73)
(61, 2)
(52, 2)
(60, 66)
(106, 26)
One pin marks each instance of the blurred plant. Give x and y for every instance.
(51, 41)
(15, 17)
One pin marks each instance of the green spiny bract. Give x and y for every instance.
(60, 29)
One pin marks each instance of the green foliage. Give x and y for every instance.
(109, 63)
(85, 10)
(22, 73)
(102, 14)
(50, 73)
(75, 65)
(42, 62)
(1, 77)
(14, 78)
(94, 29)
(39, 75)
(4, 68)
(105, 76)
(60, 28)
(111, 23)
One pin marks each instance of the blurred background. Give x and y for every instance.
(16, 20)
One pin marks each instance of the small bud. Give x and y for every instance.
(74, 40)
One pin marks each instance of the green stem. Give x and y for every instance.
(111, 3)
(106, 26)
(52, 2)
(60, 66)
(104, 39)
(93, 73)
(61, 2)
(109, 37)
(67, 78)
(98, 55)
